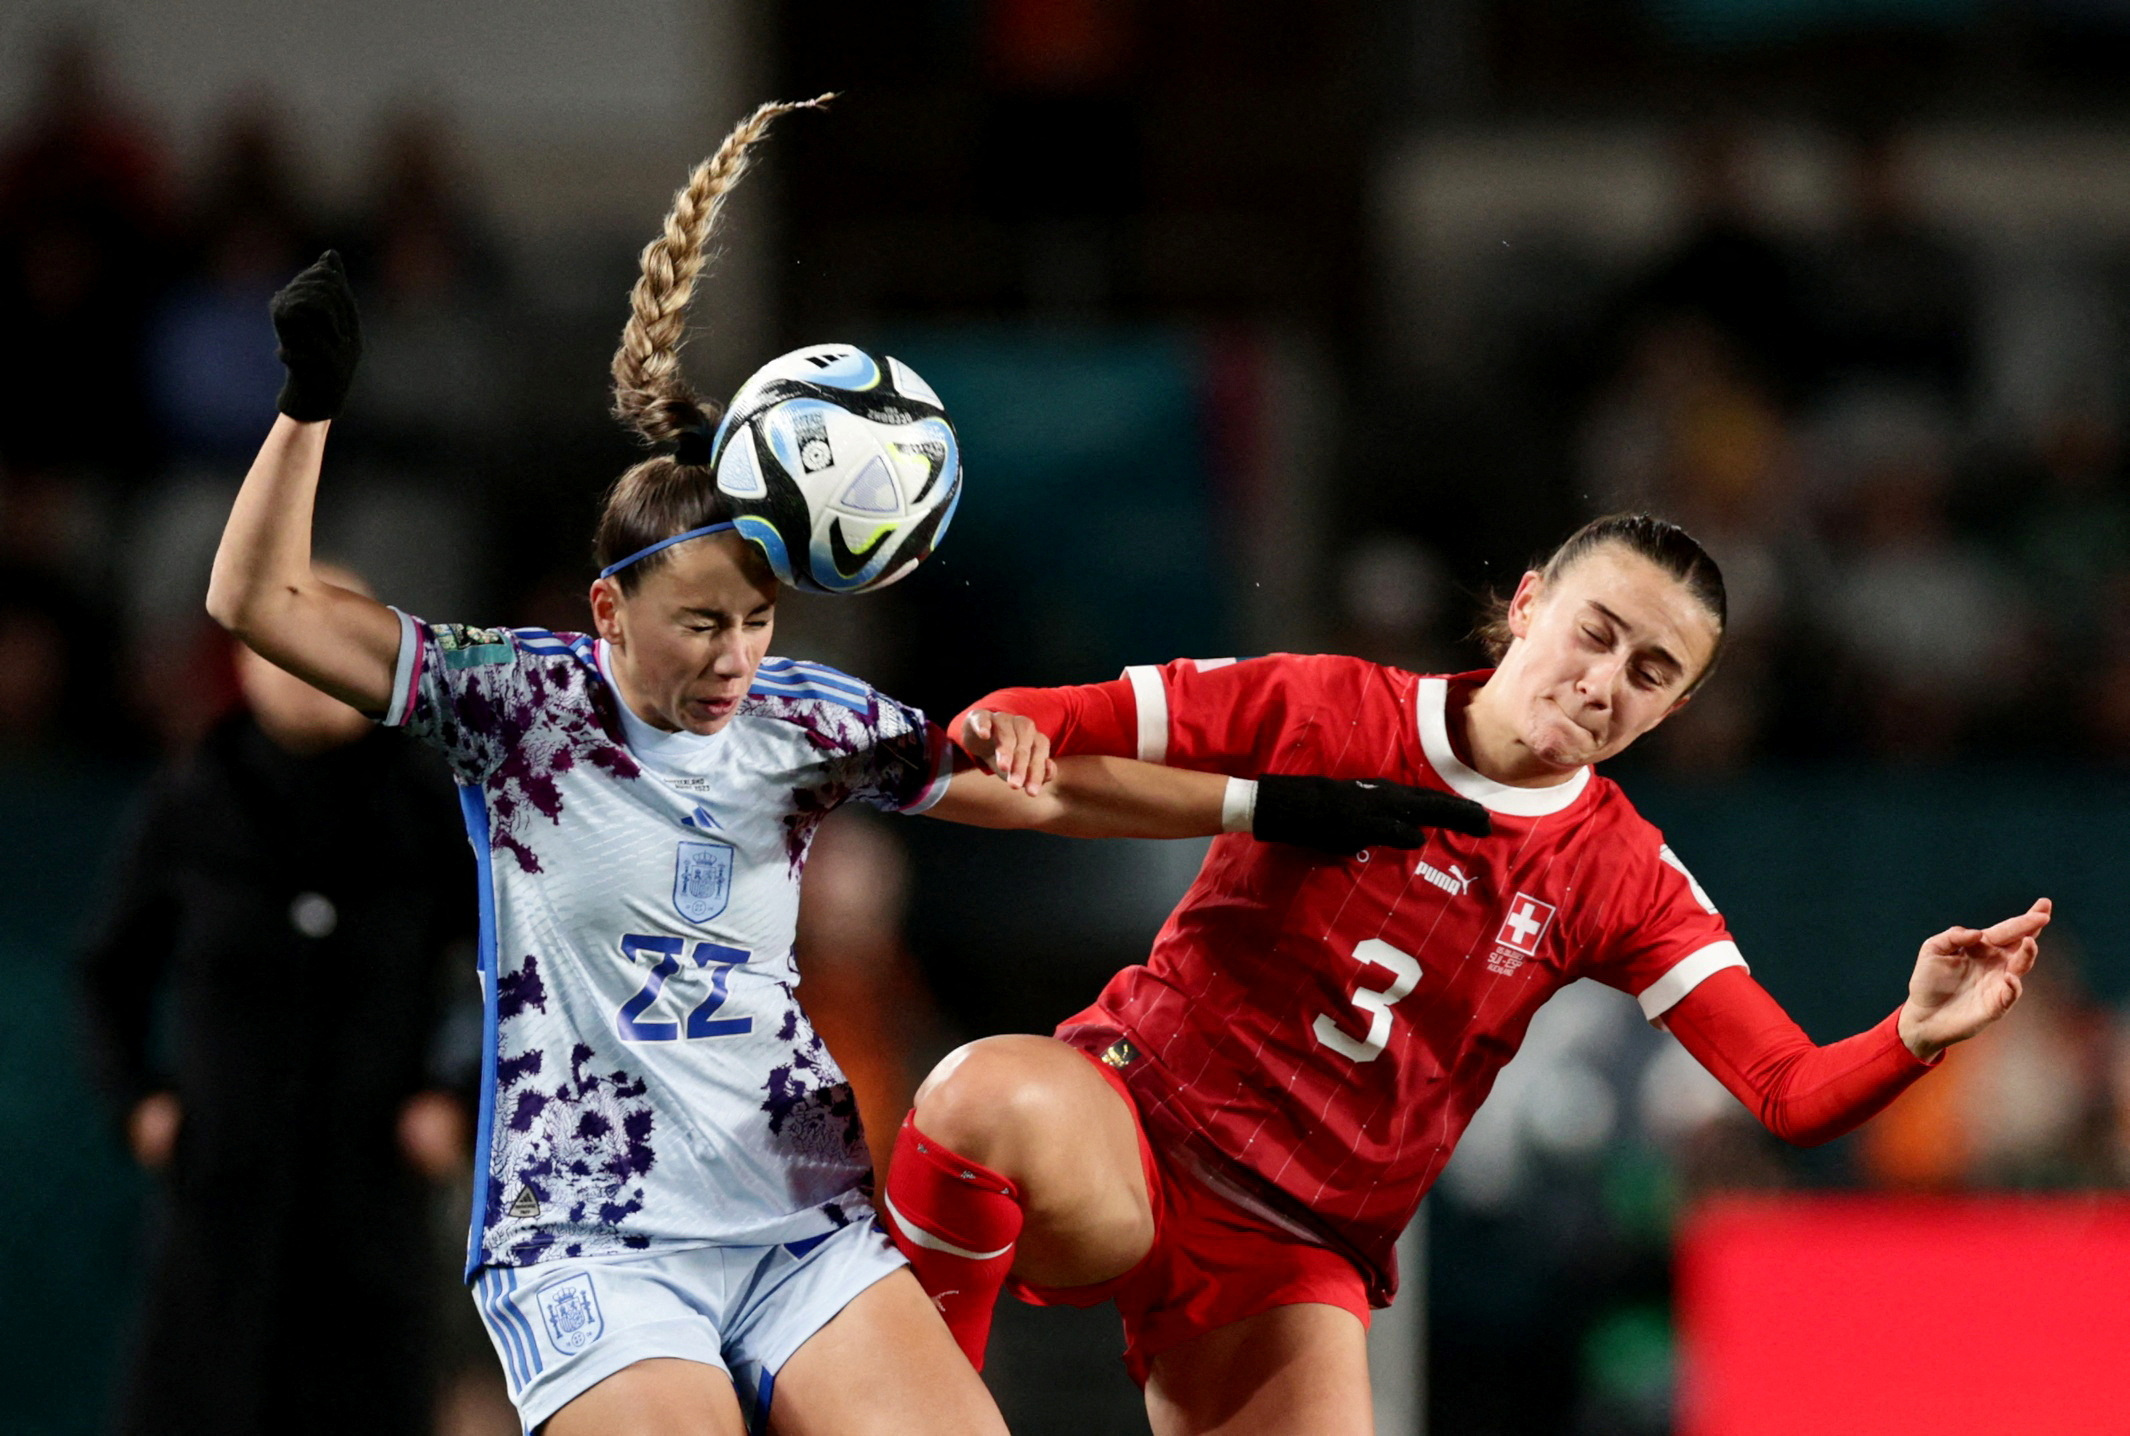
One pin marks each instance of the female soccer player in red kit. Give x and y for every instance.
(1229, 1141)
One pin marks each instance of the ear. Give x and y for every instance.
(1524, 602)
(606, 611)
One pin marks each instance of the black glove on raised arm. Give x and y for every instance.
(1345, 815)
(321, 340)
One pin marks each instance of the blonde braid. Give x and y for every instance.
(651, 395)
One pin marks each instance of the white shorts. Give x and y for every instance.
(562, 1327)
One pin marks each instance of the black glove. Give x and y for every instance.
(321, 338)
(1337, 815)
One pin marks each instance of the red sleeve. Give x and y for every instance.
(1219, 715)
(1801, 1092)
(1093, 718)
(1661, 935)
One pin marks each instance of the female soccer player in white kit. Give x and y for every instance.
(671, 1232)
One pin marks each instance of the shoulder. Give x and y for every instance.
(832, 709)
(543, 643)
(1625, 843)
(796, 680)
(505, 682)
(1304, 673)
(466, 645)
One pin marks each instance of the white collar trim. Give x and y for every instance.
(1432, 703)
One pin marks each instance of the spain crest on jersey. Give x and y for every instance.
(702, 880)
(571, 1309)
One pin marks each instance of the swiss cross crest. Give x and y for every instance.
(1526, 923)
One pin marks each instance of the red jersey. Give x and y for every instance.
(1314, 1033)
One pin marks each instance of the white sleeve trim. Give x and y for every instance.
(942, 773)
(1686, 974)
(1152, 701)
(405, 669)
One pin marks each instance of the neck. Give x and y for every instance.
(622, 674)
(1485, 740)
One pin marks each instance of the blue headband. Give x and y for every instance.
(643, 553)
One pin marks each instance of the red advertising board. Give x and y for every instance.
(1905, 1317)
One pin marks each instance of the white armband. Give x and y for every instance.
(1238, 806)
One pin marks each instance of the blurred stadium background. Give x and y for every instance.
(1266, 327)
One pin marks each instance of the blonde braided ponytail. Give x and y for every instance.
(651, 395)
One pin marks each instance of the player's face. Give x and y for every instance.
(1603, 653)
(686, 643)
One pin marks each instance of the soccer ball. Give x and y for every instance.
(842, 467)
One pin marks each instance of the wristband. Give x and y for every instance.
(1238, 806)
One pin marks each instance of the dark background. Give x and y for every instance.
(1265, 327)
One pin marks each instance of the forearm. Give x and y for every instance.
(116, 984)
(1124, 798)
(1800, 1091)
(1100, 798)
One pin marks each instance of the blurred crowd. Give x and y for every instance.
(137, 376)
(1908, 454)
(1905, 449)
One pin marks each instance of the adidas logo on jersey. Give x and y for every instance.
(524, 1204)
(1453, 882)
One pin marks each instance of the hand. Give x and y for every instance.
(1010, 746)
(434, 1135)
(1344, 816)
(152, 1129)
(1965, 980)
(321, 340)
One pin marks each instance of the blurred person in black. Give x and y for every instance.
(1892, 297)
(1730, 270)
(82, 224)
(297, 883)
(81, 204)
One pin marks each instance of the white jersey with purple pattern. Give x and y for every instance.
(650, 1080)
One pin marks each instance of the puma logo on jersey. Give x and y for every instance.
(1453, 882)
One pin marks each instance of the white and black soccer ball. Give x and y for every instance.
(842, 467)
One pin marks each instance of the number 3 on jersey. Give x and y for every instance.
(665, 952)
(1376, 1002)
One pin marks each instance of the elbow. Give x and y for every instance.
(225, 608)
(1805, 1132)
(239, 607)
(230, 600)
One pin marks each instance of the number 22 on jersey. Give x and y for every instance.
(1404, 972)
(718, 960)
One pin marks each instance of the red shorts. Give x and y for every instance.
(1212, 1263)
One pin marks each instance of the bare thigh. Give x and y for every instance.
(660, 1396)
(1036, 1111)
(1292, 1371)
(885, 1366)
